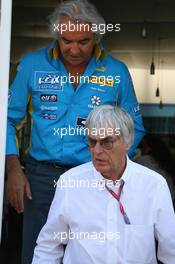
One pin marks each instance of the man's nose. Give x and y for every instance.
(75, 49)
(98, 148)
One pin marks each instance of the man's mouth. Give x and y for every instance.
(75, 57)
(102, 161)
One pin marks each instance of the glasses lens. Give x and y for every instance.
(107, 144)
(90, 142)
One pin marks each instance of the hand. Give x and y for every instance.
(17, 186)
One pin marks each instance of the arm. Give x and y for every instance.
(54, 234)
(19, 94)
(165, 225)
(17, 183)
(128, 101)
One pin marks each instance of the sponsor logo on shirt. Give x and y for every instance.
(49, 116)
(48, 81)
(101, 69)
(101, 81)
(95, 101)
(49, 108)
(137, 110)
(81, 122)
(48, 97)
(97, 89)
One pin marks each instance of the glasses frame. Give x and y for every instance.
(106, 143)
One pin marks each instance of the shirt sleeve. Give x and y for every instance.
(17, 104)
(128, 101)
(54, 234)
(165, 225)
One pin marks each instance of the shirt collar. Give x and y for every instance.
(53, 51)
(100, 53)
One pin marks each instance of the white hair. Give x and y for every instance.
(113, 117)
(81, 10)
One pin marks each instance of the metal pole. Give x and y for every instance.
(5, 36)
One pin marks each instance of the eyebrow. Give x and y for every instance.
(84, 39)
(65, 39)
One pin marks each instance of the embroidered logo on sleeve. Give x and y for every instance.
(81, 122)
(137, 110)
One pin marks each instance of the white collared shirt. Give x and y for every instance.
(88, 219)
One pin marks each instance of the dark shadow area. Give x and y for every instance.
(10, 249)
(162, 149)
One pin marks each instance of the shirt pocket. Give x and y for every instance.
(139, 245)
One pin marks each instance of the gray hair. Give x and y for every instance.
(81, 10)
(113, 117)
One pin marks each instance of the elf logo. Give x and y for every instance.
(48, 98)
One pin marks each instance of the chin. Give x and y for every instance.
(75, 62)
(101, 169)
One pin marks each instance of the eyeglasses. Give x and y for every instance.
(106, 143)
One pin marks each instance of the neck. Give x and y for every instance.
(116, 173)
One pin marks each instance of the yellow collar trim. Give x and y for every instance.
(99, 53)
(50, 53)
(55, 52)
(103, 54)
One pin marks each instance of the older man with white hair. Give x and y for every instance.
(115, 210)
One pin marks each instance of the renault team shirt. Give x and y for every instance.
(58, 112)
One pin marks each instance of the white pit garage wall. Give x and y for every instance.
(5, 36)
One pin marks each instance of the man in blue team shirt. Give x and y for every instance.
(61, 84)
